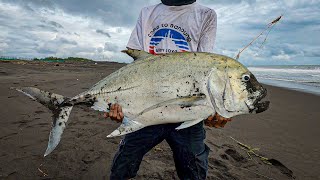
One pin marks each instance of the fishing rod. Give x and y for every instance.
(269, 27)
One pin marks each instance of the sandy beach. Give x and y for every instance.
(287, 132)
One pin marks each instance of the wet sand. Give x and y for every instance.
(288, 132)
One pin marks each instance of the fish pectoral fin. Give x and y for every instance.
(187, 124)
(127, 126)
(182, 101)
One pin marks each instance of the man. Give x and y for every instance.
(171, 26)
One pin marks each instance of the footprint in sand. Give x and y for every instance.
(9, 97)
(8, 136)
(39, 112)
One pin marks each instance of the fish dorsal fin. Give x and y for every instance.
(137, 54)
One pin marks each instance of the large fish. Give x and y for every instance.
(180, 87)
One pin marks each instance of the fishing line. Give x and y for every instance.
(267, 29)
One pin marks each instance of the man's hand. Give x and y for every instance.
(115, 113)
(216, 121)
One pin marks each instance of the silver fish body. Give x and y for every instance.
(179, 87)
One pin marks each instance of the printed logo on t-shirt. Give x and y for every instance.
(167, 40)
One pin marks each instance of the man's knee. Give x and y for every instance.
(191, 164)
(125, 165)
(131, 151)
(190, 152)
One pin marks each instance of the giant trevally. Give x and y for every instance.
(180, 87)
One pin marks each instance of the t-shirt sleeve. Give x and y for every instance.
(136, 38)
(208, 32)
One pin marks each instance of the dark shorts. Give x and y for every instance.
(189, 151)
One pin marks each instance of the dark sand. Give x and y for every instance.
(287, 132)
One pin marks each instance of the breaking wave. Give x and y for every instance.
(303, 78)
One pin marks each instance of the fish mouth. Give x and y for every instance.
(260, 106)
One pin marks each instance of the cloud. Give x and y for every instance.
(281, 56)
(102, 32)
(99, 29)
(55, 24)
(110, 47)
(295, 35)
(114, 13)
(53, 32)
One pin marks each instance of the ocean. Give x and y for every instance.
(304, 78)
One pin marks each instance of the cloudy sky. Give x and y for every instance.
(99, 29)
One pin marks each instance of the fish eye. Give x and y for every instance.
(245, 77)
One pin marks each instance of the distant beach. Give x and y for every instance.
(304, 78)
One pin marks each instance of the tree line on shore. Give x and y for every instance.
(47, 59)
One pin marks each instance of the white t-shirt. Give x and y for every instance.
(166, 29)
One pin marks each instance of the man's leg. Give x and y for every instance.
(132, 149)
(190, 153)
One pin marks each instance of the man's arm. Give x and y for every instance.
(208, 32)
(136, 37)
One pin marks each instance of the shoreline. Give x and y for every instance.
(292, 89)
(305, 78)
(313, 91)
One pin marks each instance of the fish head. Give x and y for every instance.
(234, 90)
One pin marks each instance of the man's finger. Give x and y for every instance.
(216, 126)
(220, 122)
(217, 116)
(216, 122)
(223, 123)
(118, 114)
(106, 115)
(209, 124)
(210, 118)
(115, 112)
(111, 113)
(121, 115)
(119, 108)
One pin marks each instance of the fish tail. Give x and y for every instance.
(60, 108)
